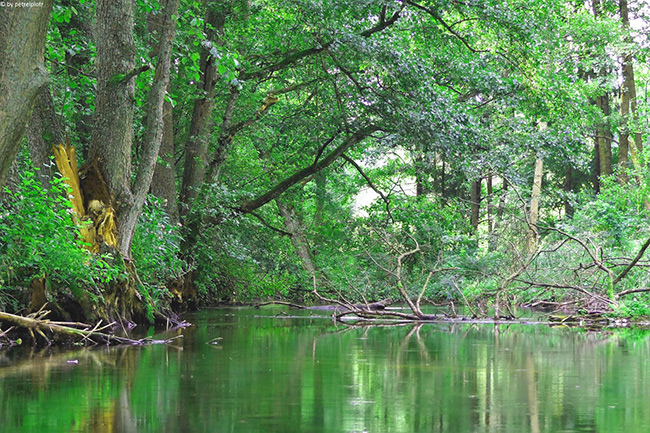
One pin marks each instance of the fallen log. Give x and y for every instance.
(77, 331)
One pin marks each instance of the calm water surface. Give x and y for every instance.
(307, 374)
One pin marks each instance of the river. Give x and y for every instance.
(244, 370)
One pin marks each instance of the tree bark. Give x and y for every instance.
(163, 184)
(112, 135)
(533, 214)
(22, 74)
(196, 147)
(475, 200)
(154, 129)
(43, 133)
(628, 103)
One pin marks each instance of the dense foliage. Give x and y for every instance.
(486, 152)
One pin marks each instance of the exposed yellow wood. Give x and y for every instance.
(98, 224)
(66, 161)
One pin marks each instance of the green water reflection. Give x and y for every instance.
(310, 375)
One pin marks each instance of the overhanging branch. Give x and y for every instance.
(285, 184)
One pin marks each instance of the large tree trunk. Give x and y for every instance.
(22, 74)
(112, 134)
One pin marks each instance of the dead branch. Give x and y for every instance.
(631, 291)
(370, 184)
(40, 324)
(632, 263)
(566, 286)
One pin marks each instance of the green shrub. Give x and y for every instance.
(155, 251)
(40, 238)
(632, 308)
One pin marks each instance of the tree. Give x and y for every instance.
(22, 73)
(112, 137)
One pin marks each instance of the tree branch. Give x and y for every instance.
(269, 226)
(290, 59)
(285, 184)
(370, 184)
(632, 263)
(438, 18)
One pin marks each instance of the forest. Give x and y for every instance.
(477, 155)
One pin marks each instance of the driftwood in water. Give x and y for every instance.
(76, 331)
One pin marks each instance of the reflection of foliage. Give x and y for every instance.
(268, 373)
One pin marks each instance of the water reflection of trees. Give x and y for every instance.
(283, 376)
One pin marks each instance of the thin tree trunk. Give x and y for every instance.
(298, 238)
(154, 129)
(624, 134)
(475, 201)
(568, 189)
(490, 206)
(442, 180)
(22, 74)
(163, 184)
(604, 137)
(196, 147)
(533, 214)
(492, 243)
(608, 138)
(595, 178)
